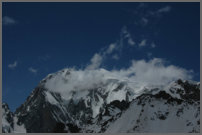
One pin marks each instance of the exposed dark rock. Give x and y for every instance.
(198, 122)
(162, 117)
(8, 115)
(59, 128)
(73, 128)
(179, 112)
(120, 86)
(152, 105)
(121, 105)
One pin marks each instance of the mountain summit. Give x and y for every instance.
(95, 101)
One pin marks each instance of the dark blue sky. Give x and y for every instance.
(42, 38)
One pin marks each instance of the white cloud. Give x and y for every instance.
(124, 30)
(143, 43)
(127, 35)
(111, 48)
(44, 58)
(153, 72)
(131, 42)
(164, 9)
(115, 56)
(153, 45)
(32, 70)
(144, 21)
(13, 66)
(8, 20)
(96, 61)
(104, 53)
(98, 58)
(76, 80)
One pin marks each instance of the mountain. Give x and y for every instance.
(10, 121)
(73, 101)
(7, 119)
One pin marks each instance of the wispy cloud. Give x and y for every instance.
(6, 20)
(131, 42)
(144, 21)
(164, 9)
(115, 56)
(153, 45)
(111, 48)
(143, 43)
(44, 58)
(145, 18)
(32, 70)
(126, 35)
(96, 61)
(114, 50)
(160, 11)
(13, 66)
(145, 15)
(98, 58)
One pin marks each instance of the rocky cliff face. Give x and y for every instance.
(10, 121)
(112, 105)
(7, 119)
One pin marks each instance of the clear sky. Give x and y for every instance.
(42, 38)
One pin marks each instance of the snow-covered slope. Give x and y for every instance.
(9, 121)
(97, 101)
(158, 116)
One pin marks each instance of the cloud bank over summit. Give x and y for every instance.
(152, 72)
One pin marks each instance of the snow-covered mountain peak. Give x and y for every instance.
(9, 121)
(93, 100)
(102, 87)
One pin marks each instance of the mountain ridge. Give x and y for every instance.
(97, 108)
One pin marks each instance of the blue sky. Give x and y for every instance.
(42, 38)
